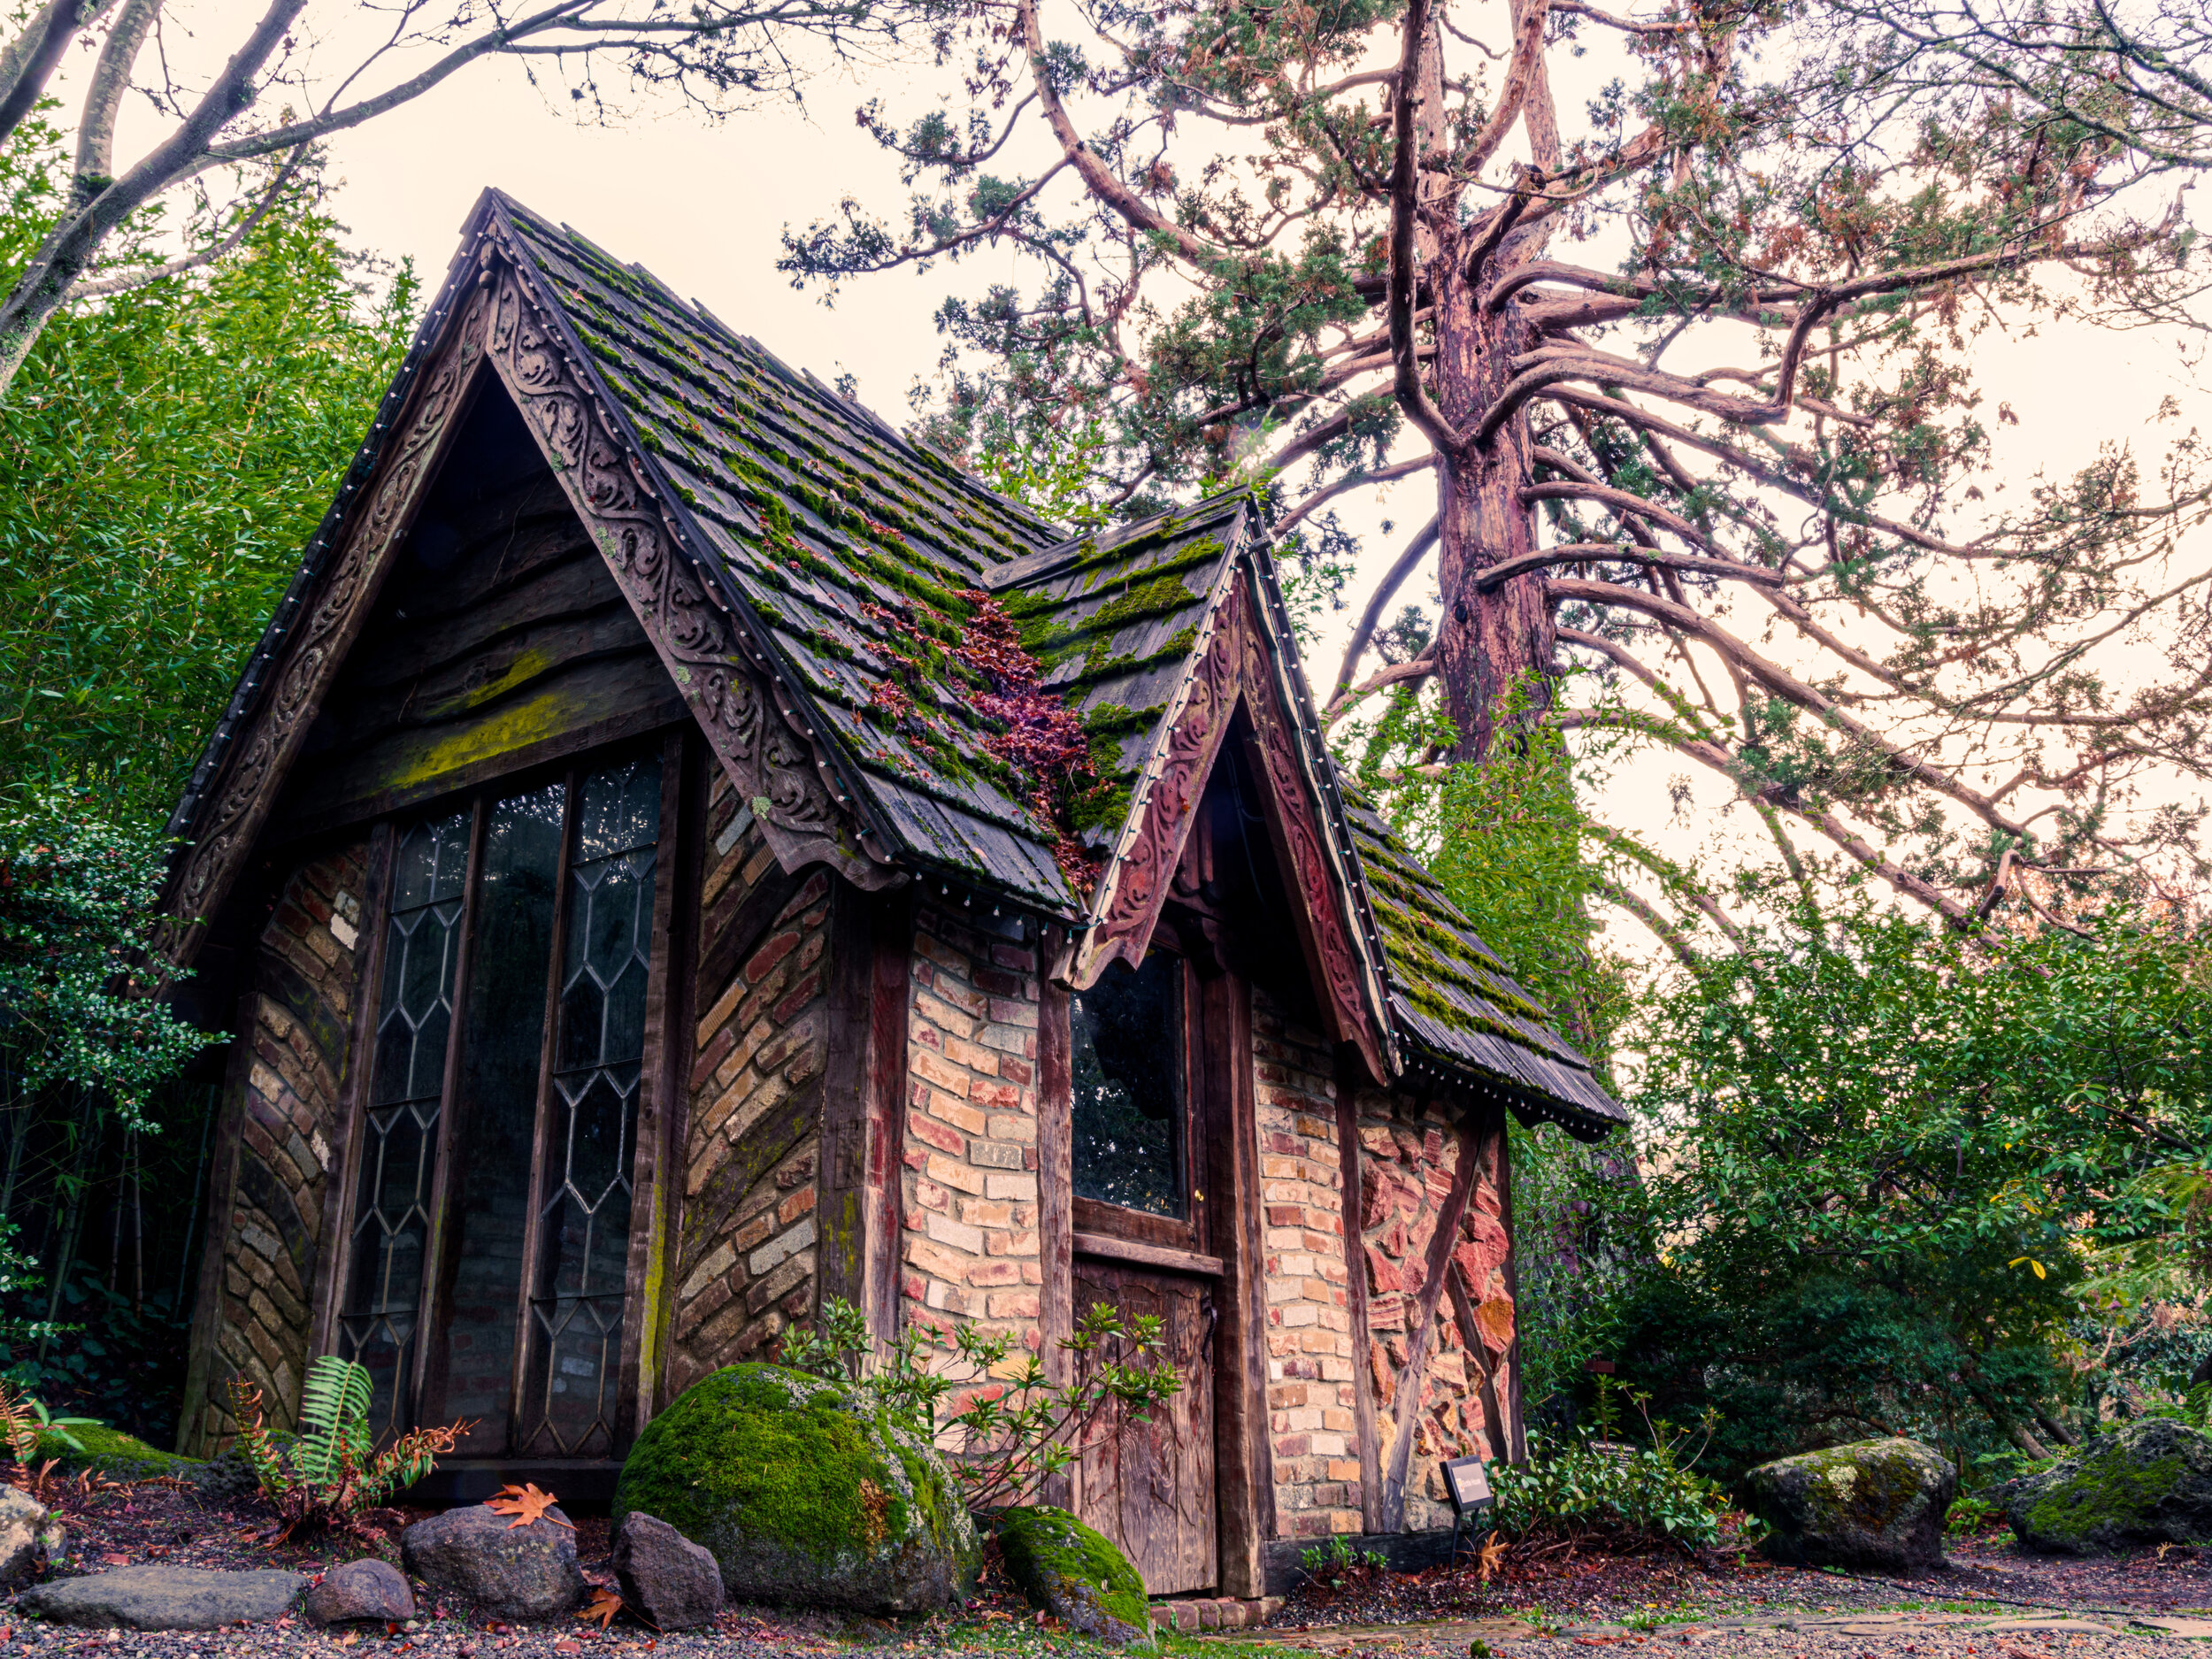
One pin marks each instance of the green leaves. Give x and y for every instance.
(1888, 1165)
(77, 896)
(164, 457)
(334, 1418)
(1006, 1424)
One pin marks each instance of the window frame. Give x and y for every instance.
(426, 1383)
(1188, 1232)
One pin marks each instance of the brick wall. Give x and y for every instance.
(291, 1140)
(1311, 1390)
(746, 1246)
(970, 1250)
(1407, 1159)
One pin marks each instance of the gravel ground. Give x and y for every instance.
(1540, 1601)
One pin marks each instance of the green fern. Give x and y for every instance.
(334, 1418)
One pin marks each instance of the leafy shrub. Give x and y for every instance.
(1336, 1564)
(1004, 1430)
(1625, 1493)
(327, 1477)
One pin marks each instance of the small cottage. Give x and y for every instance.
(680, 854)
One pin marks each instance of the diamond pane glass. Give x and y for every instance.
(379, 1317)
(576, 1302)
(510, 950)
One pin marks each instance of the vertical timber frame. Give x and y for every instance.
(871, 940)
(1055, 1175)
(674, 903)
(353, 1098)
(655, 1346)
(1244, 1473)
(1351, 1077)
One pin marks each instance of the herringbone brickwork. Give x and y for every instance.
(290, 1141)
(747, 1244)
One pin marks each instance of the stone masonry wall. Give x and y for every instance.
(746, 1246)
(1408, 1156)
(1311, 1390)
(970, 1205)
(290, 1141)
(1407, 1159)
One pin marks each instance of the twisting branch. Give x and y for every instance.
(1385, 590)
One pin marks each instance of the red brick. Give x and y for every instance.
(801, 993)
(937, 1134)
(712, 1055)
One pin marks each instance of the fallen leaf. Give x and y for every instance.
(604, 1605)
(568, 1647)
(349, 1639)
(527, 1504)
(117, 1561)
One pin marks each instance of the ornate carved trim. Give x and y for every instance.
(1294, 810)
(250, 778)
(1234, 665)
(1143, 868)
(748, 719)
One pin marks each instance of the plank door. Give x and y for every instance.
(1149, 1485)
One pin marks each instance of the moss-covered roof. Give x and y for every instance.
(1451, 996)
(859, 555)
(1114, 618)
(867, 568)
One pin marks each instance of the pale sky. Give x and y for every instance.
(700, 205)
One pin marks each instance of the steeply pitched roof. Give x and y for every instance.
(831, 532)
(858, 561)
(1113, 617)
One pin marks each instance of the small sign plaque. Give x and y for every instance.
(1468, 1484)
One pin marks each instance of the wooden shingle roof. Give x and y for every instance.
(852, 560)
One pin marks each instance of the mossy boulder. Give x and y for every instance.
(1078, 1576)
(2150, 1483)
(1877, 1504)
(804, 1494)
(111, 1452)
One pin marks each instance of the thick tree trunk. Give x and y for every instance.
(1490, 645)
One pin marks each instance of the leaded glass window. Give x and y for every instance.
(391, 1224)
(490, 1236)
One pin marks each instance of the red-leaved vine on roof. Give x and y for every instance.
(1040, 737)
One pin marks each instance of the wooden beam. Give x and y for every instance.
(683, 1019)
(892, 950)
(1350, 1074)
(1244, 1468)
(1515, 1427)
(666, 1058)
(868, 949)
(353, 1091)
(1421, 1327)
(1055, 1228)
(1471, 1333)
(1132, 1251)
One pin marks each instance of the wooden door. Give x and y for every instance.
(1149, 1485)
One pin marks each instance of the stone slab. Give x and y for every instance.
(155, 1597)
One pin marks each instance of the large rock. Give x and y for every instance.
(804, 1494)
(29, 1536)
(1873, 1503)
(153, 1597)
(363, 1589)
(2150, 1483)
(666, 1579)
(1078, 1576)
(513, 1572)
